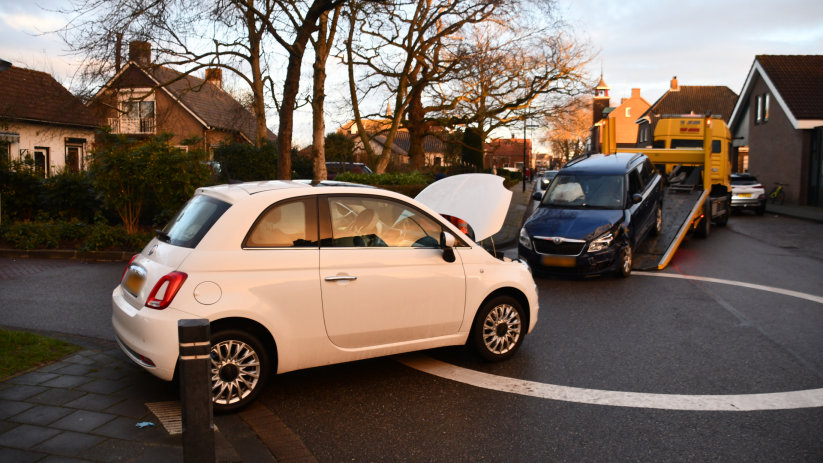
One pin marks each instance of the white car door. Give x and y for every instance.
(382, 274)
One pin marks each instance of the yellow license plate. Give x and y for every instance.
(745, 195)
(134, 283)
(559, 261)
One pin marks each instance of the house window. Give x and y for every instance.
(628, 112)
(5, 152)
(758, 108)
(134, 117)
(74, 157)
(766, 107)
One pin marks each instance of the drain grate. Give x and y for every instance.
(169, 414)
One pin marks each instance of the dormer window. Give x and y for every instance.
(135, 115)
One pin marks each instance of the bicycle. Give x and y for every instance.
(778, 193)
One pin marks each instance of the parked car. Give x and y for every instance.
(597, 210)
(334, 168)
(543, 180)
(748, 193)
(293, 276)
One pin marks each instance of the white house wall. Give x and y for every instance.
(35, 136)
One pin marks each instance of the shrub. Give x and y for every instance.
(72, 235)
(391, 178)
(70, 195)
(245, 162)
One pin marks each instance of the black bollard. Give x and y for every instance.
(195, 390)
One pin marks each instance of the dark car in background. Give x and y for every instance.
(334, 168)
(748, 193)
(596, 211)
(542, 183)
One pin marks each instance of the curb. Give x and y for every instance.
(67, 254)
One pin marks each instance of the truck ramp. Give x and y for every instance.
(678, 209)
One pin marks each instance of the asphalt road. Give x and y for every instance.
(649, 334)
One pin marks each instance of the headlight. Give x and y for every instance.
(601, 243)
(524, 239)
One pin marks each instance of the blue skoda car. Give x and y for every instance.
(597, 210)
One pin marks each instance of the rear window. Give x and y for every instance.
(744, 181)
(192, 223)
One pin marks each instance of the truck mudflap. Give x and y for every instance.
(679, 207)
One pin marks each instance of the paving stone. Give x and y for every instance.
(73, 369)
(7, 426)
(19, 456)
(67, 381)
(12, 407)
(26, 436)
(21, 392)
(79, 358)
(94, 402)
(114, 450)
(59, 459)
(83, 421)
(41, 414)
(53, 396)
(105, 386)
(33, 378)
(164, 454)
(68, 443)
(131, 407)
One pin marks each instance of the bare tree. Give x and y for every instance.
(569, 129)
(511, 73)
(186, 35)
(322, 48)
(397, 54)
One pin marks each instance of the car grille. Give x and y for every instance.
(563, 248)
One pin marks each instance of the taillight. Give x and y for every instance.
(164, 291)
(128, 265)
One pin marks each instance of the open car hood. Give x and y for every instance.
(479, 199)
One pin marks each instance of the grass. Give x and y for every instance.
(21, 351)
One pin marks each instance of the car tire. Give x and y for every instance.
(240, 366)
(625, 267)
(498, 329)
(658, 221)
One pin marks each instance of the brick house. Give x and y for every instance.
(143, 99)
(622, 117)
(508, 152)
(685, 99)
(44, 123)
(777, 125)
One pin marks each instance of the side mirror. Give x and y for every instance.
(447, 244)
(538, 195)
(637, 198)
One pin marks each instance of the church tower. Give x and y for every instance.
(601, 100)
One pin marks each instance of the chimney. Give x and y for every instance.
(140, 53)
(675, 86)
(635, 93)
(214, 76)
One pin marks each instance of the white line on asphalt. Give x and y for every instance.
(740, 402)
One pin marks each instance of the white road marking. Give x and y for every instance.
(810, 398)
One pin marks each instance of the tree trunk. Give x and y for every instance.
(258, 97)
(418, 129)
(321, 46)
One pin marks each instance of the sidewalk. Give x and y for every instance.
(799, 212)
(94, 406)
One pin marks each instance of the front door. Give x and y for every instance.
(383, 277)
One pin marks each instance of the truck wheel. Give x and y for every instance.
(705, 225)
(625, 268)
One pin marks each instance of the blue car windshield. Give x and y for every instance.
(586, 191)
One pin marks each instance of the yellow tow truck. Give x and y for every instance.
(692, 152)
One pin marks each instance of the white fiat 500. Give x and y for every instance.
(293, 276)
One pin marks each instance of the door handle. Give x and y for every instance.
(341, 278)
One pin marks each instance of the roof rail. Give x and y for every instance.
(634, 158)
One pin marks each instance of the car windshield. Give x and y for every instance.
(585, 191)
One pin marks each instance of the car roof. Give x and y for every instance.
(613, 164)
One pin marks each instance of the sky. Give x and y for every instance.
(635, 43)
